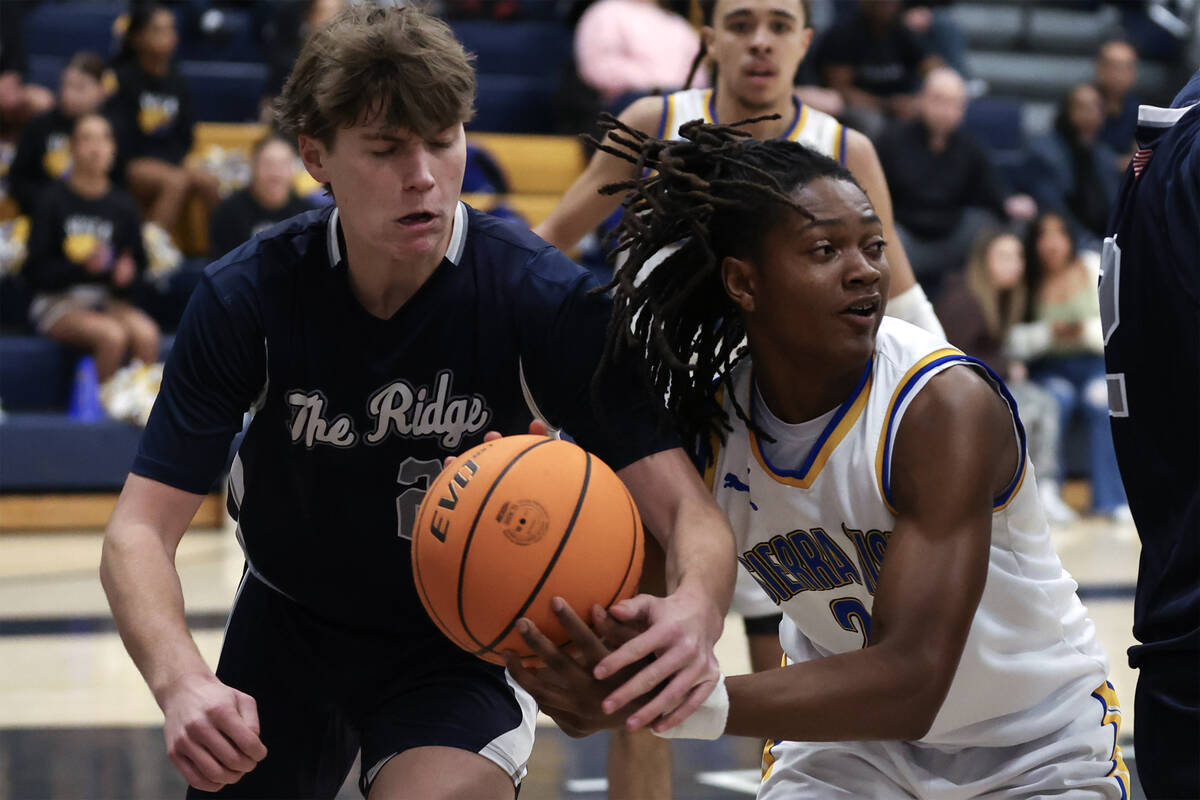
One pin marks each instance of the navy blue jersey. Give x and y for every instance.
(1150, 303)
(353, 414)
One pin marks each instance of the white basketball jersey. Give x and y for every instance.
(813, 532)
(814, 128)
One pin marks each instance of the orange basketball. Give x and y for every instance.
(512, 523)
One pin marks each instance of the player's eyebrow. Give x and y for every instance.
(745, 12)
(839, 222)
(388, 136)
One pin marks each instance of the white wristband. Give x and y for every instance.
(914, 307)
(707, 721)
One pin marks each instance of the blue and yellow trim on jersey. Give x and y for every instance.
(839, 144)
(668, 115)
(935, 361)
(1110, 711)
(843, 420)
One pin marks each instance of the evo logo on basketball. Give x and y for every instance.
(400, 408)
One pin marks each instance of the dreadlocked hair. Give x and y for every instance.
(695, 201)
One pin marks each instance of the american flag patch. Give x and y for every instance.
(1140, 159)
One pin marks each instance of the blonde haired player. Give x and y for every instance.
(877, 482)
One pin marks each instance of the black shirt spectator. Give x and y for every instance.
(67, 229)
(885, 61)
(944, 187)
(931, 189)
(268, 199)
(240, 217)
(43, 156)
(154, 112)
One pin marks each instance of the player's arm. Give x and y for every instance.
(211, 730)
(216, 368)
(582, 207)
(955, 451)
(684, 626)
(907, 300)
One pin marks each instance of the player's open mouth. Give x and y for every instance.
(761, 72)
(865, 308)
(419, 218)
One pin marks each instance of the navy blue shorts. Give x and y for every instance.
(1167, 735)
(324, 693)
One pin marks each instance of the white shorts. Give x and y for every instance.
(749, 599)
(47, 309)
(1081, 760)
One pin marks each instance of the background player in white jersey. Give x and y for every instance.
(373, 338)
(878, 485)
(755, 48)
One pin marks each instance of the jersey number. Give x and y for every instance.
(416, 475)
(853, 616)
(1110, 318)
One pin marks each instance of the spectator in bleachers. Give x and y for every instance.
(978, 309)
(633, 46)
(945, 188)
(1074, 170)
(267, 200)
(44, 152)
(152, 108)
(876, 63)
(86, 254)
(1063, 342)
(1116, 73)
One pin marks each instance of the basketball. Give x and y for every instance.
(512, 523)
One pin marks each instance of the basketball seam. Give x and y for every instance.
(462, 567)
(632, 550)
(562, 543)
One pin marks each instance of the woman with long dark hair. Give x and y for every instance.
(1064, 345)
(1076, 176)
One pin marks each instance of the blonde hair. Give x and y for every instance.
(399, 65)
(1002, 308)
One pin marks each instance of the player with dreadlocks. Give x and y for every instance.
(752, 50)
(877, 482)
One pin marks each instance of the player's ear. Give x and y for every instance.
(707, 33)
(314, 153)
(737, 276)
(806, 37)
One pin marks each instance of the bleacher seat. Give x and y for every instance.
(63, 29)
(516, 48)
(237, 40)
(36, 373)
(225, 91)
(514, 104)
(995, 121)
(52, 452)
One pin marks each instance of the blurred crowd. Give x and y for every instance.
(98, 175)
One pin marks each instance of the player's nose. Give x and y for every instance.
(418, 173)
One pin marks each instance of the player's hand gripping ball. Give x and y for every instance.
(510, 524)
